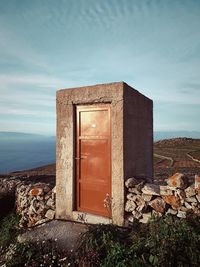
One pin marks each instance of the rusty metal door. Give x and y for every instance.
(93, 159)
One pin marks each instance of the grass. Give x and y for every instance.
(8, 229)
(163, 242)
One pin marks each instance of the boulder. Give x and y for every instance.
(158, 204)
(178, 180)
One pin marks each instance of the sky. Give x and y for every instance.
(46, 45)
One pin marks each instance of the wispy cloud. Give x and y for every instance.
(47, 45)
(31, 79)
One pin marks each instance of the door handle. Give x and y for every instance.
(81, 158)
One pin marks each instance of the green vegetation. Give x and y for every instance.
(8, 229)
(44, 253)
(162, 242)
(166, 242)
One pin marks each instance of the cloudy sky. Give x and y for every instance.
(45, 45)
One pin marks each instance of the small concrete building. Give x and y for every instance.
(104, 136)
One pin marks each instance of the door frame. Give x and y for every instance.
(78, 108)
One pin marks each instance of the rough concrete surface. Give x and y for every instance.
(131, 145)
(64, 232)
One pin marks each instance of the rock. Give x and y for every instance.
(171, 211)
(174, 201)
(31, 210)
(190, 191)
(198, 198)
(130, 219)
(50, 214)
(134, 190)
(181, 214)
(187, 205)
(146, 217)
(165, 190)
(131, 196)
(178, 180)
(151, 189)
(197, 182)
(182, 208)
(130, 206)
(36, 191)
(42, 221)
(39, 197)
(50, 202)
(132, 182)
(191, 199)
(194, 204)
(136, 214)
(158, 205)
(141, 207)
(180, 193)
(54, 190)
(146, 197)
(156, 214)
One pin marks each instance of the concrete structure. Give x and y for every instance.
(131, 121)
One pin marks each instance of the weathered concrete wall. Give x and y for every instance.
(138, 134)
(65, 179)
(122, 156)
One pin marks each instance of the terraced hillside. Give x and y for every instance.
(176, 155)
(170, 156)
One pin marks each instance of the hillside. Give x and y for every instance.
(176, 155)
(170, 156)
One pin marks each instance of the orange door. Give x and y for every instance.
(93, 159)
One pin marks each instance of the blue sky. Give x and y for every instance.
(46, 45)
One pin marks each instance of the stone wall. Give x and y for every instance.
(7, 186)
(35, 203)
(143, 200)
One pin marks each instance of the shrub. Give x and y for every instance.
(8, 229)
(165, 241)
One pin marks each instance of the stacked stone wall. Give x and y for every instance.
(144, 200)
(35, 203)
